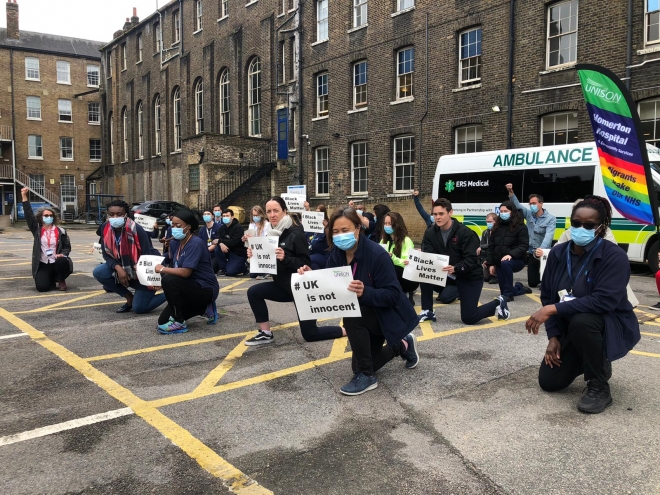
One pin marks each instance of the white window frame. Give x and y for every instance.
(37, 146)
(322, 31)
(358, 87)
(34, 109)
(95, 72)
(38, 185)
(158, 142)
(91, 113)
(140, 46)
(224, 9)
(395, 166)
(656, 120)
(254, 98)
(325, 162)
(63, 69)
(400, 74)
(199, 15)
(478, 130)
(64, 109)
(225, 103)
(63, 147)
(176, 23)
(199, 107)
(31, 70)
(563, 116)
(401, 5)
(468, 60)
(561, 35)
(140, 125)
(647, 19)
(322, 99)
(363, 168)
(100, 150)
(112, 139)
(360, 13)
(124, 128)
(159, 37)
(176, 114)
(124, 57)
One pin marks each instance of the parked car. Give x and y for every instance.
(160, 210)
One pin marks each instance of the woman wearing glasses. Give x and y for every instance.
(587, 315)
(51, 264)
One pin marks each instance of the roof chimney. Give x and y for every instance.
(135, 19)
(127, 24)
(12, 20)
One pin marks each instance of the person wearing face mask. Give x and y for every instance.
(588, 318)
(166, 232)
(318, 243)
(51, 265)
(209, 234)
(122, 243)
(397, 243)
(188, 280)
(232, 254)
(259, 227)
(541, 230)
(291, 254)
(387, 315)
(217, 215)
(507, 249)
(483, 247)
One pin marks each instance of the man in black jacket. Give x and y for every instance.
(232, 255)
(451, 238)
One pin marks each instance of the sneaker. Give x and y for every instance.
(493, 281)
(260, 277)
(411, 356)
(211, 314)
(172, 327)
(596, 398)
(62, 286)
(360, 384)
(426, 315)
(503, 312)
(526, 289)
(221, 273)
(655, 306)
(260, 338)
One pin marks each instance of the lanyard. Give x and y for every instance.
(569, 263)
(354, 269)
(49, 233)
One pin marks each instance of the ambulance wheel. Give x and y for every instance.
(653, 257)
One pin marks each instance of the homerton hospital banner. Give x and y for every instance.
(621, 147)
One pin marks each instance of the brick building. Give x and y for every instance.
(50, 113)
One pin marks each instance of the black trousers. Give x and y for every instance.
(185, 298)
(581, 352)
(533, 271)
(367, 339)
(469, 291)
(270, 291)
(406, 285)
(48, 274)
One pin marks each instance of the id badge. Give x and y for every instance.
(49, 252)
(565, 296)
(209, 242)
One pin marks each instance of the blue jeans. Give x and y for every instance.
(144, 300)
(505, 276)
(231, 263)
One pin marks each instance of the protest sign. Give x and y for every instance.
(145, 270)
(294, 202)
(97, 254)
(263, 254)
(299, 190)
(544, 260)
(325, 294)
(427, 268)
(145, 221)
(312, 221)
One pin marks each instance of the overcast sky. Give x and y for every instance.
(87, 19)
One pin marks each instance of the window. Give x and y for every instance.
(35, 148)
(199, 107)
(562, 33)
(140, 126)
(198, 15)
(322, 108)
(66, 148)
(404, 163)
(469, 57)
(124, 61)
(322, 172)
(254, 97)
(177, 119)
(224, 8)
(124, 133)
(64, 110)
(193, 177)
(360, 84)
(93, 76)
(157, 141)
(34, 107)
(38, 185)
(63, 72)
(111, 67)
(468, 139)
(652, 20)
(32, 69)
(404, 71)
(139, 47)
(559, 128)
(94, 113)
(94, 150)
(68, 189)
(112, 139)
(359, 13)
(359, 167)
(176, 27)
(158, 38)
(649, 114)
(405, 4)
(225, 124)
(283, 52)
(321, 20)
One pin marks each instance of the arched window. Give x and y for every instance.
(140, 126)
(199, 107)
(225, 126)
(124, 130)
(157, 140)
(111, 121)
(254, 97)
(176, 105)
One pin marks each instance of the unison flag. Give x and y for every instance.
(624, 163)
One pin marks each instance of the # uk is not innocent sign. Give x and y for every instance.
(295, 203)
(312, 221)
(263, 254)
(145, 221)
(544, 260)
(427, 268)
(325, 294)
(146, 270)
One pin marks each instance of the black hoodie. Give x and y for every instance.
(296, 255)
(232, 236)
(461, 248)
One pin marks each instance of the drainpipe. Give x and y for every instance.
(509, 111)
(300, 94)
(426, 95)
(629, 44)
(13, 132)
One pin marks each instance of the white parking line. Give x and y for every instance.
(67, 425)
(13, 336)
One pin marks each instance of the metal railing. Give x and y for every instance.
(25, 180)
(6, 171)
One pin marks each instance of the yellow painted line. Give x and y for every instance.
(647, 354)
(75, 299)
(473, 328)
(229, 288)
(648, 334)
(427, 329)
(534, 298)
(339, 347)
(53, 294)
(10, 260)
(16, 264)
(234, 479)
(221, 370)
(653, 323)
(65, 308)
(16, 278)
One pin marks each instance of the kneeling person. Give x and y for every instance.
(232, 255)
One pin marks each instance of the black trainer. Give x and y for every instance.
(260, 339)
(595, 398)
(411, 356)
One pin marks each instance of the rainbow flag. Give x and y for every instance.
(624, 163)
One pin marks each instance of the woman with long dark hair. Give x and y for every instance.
(318, 242)
(376, 232)
(507, 249)
(398, 245)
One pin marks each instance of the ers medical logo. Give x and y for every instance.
(472, 183)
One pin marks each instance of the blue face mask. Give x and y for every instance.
(505, 216)
(359, 212)
(534, 208)
(217, 214)
(178, 233)
(489, 225)
(48, 220)
(117, 222)
(344, 241)
(582, 236)
(256, 219)
(168, 221)
(389, 230)
(226, 220)
(375, 218)
(207, 218)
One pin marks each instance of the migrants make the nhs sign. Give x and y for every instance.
(624, 163)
